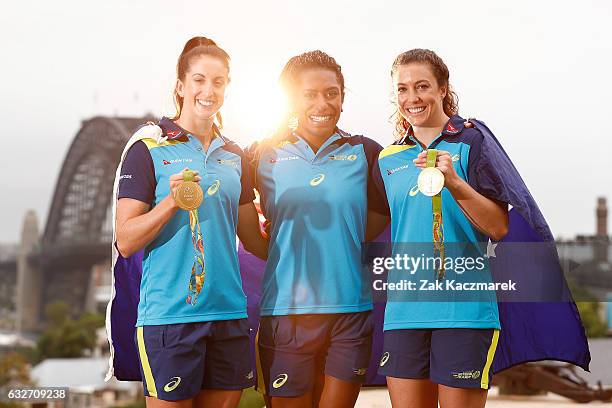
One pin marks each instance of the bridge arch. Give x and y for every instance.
(80, 208)
(75, 244)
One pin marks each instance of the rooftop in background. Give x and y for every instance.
(84, 374)
(9, 340)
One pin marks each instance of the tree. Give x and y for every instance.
(14, 368)
(588, 308)
(593, 323)
(67, 338)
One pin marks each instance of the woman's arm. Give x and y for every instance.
(376, 224)
(136, 226)
(489, 216)
(249, 231)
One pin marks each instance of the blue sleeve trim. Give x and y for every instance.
(137, 179)
(377, 197)
(246, 186)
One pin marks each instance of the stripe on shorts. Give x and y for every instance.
(144, 359)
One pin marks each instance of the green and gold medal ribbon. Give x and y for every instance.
(189, 196)
(198, 269)
(437, 226)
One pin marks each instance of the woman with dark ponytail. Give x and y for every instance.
(314, 181)
(182, 194)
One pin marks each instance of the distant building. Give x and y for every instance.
(588, 248)
(84, 378)
(11, 341)
(586, 259)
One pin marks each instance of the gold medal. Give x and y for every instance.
(430, 181)
(189, 194)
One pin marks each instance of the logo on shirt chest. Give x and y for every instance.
(318, 179)
(214, 187)
(275, 160)
(173, 161)
(342, 157)
(395, 170)
(229, 162)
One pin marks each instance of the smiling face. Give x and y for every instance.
(418, 95)
(203, 87)
(317, 102)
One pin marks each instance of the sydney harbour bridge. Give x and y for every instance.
(67, 258)
(57, 264)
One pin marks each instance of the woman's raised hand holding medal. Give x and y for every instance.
(186, 190)
(444, 163)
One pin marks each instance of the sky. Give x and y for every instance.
(537, 72)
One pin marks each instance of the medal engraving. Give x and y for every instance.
(189, 194)
(430, 181)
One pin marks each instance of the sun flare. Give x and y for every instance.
(255, 106)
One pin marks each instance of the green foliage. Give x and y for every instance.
(591, 318)
(29, 353)
(589, 311)
(57, 313)
(14, 368)
(67, 338)
(10, 405)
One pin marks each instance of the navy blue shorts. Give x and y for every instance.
(177, 361)
(459, 358)
(294, 349)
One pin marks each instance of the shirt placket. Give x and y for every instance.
(310, 155)
(214, 145)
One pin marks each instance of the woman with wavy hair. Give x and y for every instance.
(448, 184)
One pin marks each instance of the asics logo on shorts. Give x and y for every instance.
(280, 380)
(250, 375)
(384, 359)
(171, 386)
(317, 180)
